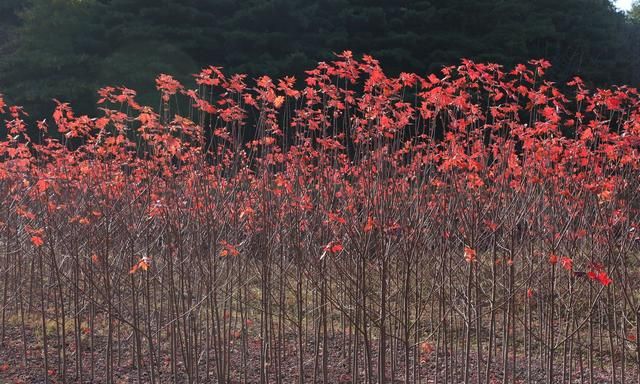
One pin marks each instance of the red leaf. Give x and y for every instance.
(42, 185)
(567, 263)
(612, 103)
(370, 225)
(604, 279)
(586, 135)
(228, 249)
(598, 273)
(426, 347)
(469, 254)
(37, 241)
(333, 247)
(491, 225)
(336, 218)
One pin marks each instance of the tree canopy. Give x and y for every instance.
(67, 49)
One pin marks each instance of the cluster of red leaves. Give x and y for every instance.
(228, 249)
(472, 132)
(598, 273)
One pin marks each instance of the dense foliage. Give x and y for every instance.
(465, 226)
(66, 49)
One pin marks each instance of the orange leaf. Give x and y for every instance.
(248, 211)
(278, 101)
(133, 269)
(143, 264)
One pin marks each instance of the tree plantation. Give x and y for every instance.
(478, 224)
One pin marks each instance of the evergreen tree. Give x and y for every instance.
(55, 55)
(67, 49)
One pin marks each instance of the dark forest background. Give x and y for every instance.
(67, 49)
